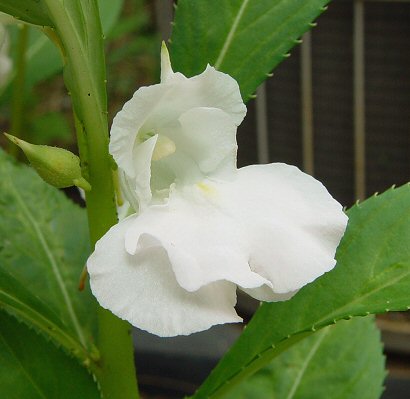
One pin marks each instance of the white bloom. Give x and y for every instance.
(204, 227)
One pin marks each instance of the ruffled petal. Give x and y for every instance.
(160, 106)
(129, 122)
(142, 289)
(275, 218)
(293, 224)
(209, 136)
(203, 244)
(216, 89)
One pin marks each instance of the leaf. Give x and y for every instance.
(18, 301)
(109, 13)
(372, 276)
(43, 59)
(32, 368)
(42, 254)
(341, 361)
(32, 11)
(50, 127)
(246, 39)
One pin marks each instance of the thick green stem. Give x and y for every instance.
(17, 107)
(85, 79)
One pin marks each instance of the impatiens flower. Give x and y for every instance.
(203, 228)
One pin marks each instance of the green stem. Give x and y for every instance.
(17, 107)
(85, 79)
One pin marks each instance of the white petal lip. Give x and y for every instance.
(272, 227)
(203, 245)
(293, 224)
(173, 269)
(142, 289)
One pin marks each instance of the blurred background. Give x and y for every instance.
(338, 108)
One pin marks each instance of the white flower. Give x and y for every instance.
(204, 227)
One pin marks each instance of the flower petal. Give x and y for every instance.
(166, 67)
(205, 145)
(203, 244)
(142, 289)
(209, 136)
(266, 294)
(159, 106)
(293, 224)
(128, 123)
(137, 189)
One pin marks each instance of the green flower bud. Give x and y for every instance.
(56, 166)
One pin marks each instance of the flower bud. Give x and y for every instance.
(56, 166)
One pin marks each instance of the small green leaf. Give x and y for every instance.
(372, 276)
(32, 11)
(31, 367)
(340, 361)
(246, 39)
(45, 247)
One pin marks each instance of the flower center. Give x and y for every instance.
(163, 148)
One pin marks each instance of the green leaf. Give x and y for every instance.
(18, 301)
(372, 276)
(43, 59)
(32, 11)
(246, 39)
(341, 361)
(50, 127)
(32, 368)
(109, 13)
(43, 252)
